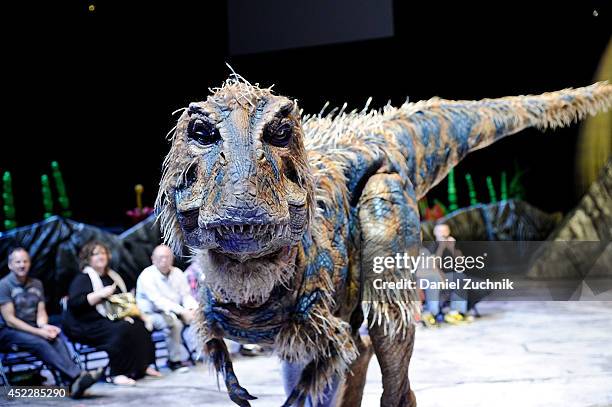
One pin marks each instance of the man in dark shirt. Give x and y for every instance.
(24, 323)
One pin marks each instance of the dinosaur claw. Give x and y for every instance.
(243, 393)
(223, 363)
(240, 401)
(240, 395)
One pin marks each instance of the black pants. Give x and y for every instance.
(129, 346)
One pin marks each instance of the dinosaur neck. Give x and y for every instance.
(251, 282)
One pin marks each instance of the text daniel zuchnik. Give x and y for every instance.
(464, 284)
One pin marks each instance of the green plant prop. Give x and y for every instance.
(423, 206)
(491, 188)
(9, 205)
(62, 197)
(517, 190)
(452, 191)
(504, 187)
(47, 198)
(471, 189)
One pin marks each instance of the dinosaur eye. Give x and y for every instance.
(203, 132)
(278, 132)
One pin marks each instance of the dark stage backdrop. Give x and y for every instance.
(95, 90)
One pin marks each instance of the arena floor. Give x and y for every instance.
(543, 354)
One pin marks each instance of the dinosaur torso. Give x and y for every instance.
(333, 252)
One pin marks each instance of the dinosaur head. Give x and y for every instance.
(236, 180)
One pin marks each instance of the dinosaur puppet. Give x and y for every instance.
(286, 212)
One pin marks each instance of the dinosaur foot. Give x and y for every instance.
(220, 357)
(240, 396)
(236, 392)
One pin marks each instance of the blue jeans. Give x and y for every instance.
(432, 295)
(458, 296)
(53, 353)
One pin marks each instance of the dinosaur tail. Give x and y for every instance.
(442, 132)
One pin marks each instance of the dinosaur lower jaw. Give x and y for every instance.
(243, 242)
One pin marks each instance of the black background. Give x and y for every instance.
(95, 90)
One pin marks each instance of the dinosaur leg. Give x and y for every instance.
(389, 224)
(220, 357)
(356, 378)
(394, 357)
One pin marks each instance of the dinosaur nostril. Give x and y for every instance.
(291, 172)
(191, 176)
(189, 219)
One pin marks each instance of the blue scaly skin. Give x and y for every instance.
(285, 213)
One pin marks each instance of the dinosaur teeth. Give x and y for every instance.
(275, 230)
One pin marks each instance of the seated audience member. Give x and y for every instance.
(127, 341)
(24, 322)
(163, 295)
(194, 274)
(446, 246)
(429, 271)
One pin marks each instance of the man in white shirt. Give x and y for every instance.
(163, 294)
